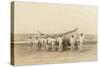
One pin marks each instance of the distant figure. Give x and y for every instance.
(39, 43)
(60, 43)
(42, 42)
(81, 40)
(53, 43)
(30, 43)
(45, 43)
(36, 42)
(72, 42)
(49, 42)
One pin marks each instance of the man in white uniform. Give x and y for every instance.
(42, 43)
(36, 42)
(53, 43)
(81, 40)
(39, 43)
(72, 42)
(45, 43)
(30, 43)
(49, 40)
(60, 43)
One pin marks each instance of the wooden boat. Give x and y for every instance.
(65, 36)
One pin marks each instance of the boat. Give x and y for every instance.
(65, 36)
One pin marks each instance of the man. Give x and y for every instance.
(53, 43)
(45, 43)
(39, 43)
(49, 40)
(36, 42)
(42, 42)
(30, 43)
(60, 43)
(81, 40)
(72, 42)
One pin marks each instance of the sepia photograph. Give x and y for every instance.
(49, 33)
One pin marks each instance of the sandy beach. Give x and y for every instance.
(23, 57)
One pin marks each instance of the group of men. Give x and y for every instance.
(80, 41)
(44, 43)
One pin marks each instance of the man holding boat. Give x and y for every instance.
(72, 42)
(60, 41)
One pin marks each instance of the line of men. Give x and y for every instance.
(80, 42)
(44, 43)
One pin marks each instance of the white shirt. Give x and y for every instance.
(72, 40)
(59, 40)
(45, 40)
(35, 41)
(41, 39)
(30, 41)
(81, 38)
(53, 40)
(49, 40)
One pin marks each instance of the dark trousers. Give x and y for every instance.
(39, 46)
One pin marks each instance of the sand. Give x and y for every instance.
(23, 57)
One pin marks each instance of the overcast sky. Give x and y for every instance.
(50, 18)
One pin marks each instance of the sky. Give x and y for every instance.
(30, 17)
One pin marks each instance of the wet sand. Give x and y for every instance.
(23, 57)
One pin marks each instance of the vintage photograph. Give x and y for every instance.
(48, 33)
